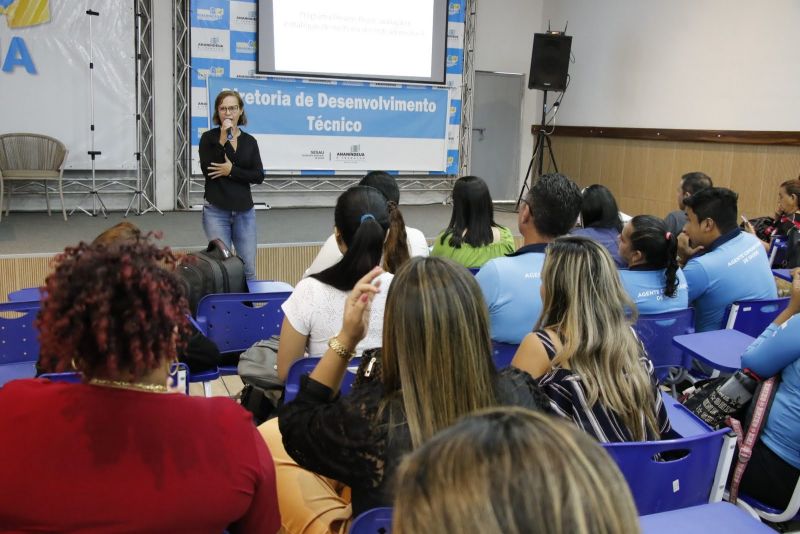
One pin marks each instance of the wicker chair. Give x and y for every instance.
(27, 157)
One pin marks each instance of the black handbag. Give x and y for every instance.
(718, 398)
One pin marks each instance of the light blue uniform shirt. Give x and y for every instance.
(510, 286)
(735, 267)
(777, 350)
(646, 289)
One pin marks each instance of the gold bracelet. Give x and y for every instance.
(339, 348)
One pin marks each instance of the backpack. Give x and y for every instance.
(213, 270)
(258, 369)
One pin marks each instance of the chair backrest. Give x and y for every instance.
(678, 473)
(26, 294)
(753, 316)
(503, 353)
(375, 521)
(19, 339)
(778, 250)
(71, 378)
(268, 286)
(235, 321)
(304, 366)
(656, 331)
(34, 152)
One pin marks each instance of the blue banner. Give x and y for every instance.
(299, 108)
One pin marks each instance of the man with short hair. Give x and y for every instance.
(511, 284)
(691, 183)
(726, 264)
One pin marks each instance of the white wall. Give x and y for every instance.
(503, 42)
(696, 64)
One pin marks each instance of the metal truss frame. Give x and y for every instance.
(189, 187)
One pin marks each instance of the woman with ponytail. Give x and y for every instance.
(314, 310)
(402, 242)
(653, 279)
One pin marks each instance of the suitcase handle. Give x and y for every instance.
(220, 246)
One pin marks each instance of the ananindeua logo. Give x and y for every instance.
(22, 14)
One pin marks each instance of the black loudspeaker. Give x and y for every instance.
(550, 61)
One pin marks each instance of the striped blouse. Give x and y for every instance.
(567, 397)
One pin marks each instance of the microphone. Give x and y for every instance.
(230, 134)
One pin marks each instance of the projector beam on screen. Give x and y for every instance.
(365, 39)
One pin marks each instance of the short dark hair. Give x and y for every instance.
(218, 101)
(692, 182)
(716, 203)
(383, 182)
(555, 202)
(599, 208)
(473, 212)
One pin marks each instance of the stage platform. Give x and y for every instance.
(288, 238)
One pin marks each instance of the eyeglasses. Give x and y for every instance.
(229, 109)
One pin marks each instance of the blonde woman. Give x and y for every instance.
(512, 471)
(435, 366)
(584, 351)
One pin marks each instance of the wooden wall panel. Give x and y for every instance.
(644, 175)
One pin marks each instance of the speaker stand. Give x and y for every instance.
(542, 142)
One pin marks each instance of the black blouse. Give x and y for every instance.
(347, 440)
(231, 192)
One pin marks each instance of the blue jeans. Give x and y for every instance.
(234, 227)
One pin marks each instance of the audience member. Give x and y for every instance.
(415, 240)
(313, 311)
(724, 264)
(786, 221)
(691, 183)
(118, 452)
(653, 279)
(434, 367)
(774, 467)
(512, 471)
(472, 238)
(511, 284)
(584, 351)
(601, 219)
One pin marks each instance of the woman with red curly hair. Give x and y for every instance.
(119, 452)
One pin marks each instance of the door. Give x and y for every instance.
(496, 122)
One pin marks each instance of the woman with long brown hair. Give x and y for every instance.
(584, 352)
(435, 366)
(512, 471)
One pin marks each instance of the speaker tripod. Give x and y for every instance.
(542, 142)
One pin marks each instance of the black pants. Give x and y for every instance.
(768, 478)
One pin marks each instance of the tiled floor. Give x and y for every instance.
(225, 386)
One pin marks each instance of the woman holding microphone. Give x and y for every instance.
(231, 162)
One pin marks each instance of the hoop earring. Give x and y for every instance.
(74, 364)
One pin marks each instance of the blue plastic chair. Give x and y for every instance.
(269, 286)
(235, 321)
(791, 513)
(719, 516)
(659, 484)
(503, 353)
(375, 521)
(19, 340)
(778, 250)
(72, 377)
(304, 366)
(753, 316)
(656, 331)
(26, 294)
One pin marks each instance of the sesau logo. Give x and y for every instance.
(315, 154)
(454, 8)
(211, 14)
(22, 14)
(452, 60)
(212, 72)
(248, 18)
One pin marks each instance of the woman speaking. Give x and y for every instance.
(231, 162)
